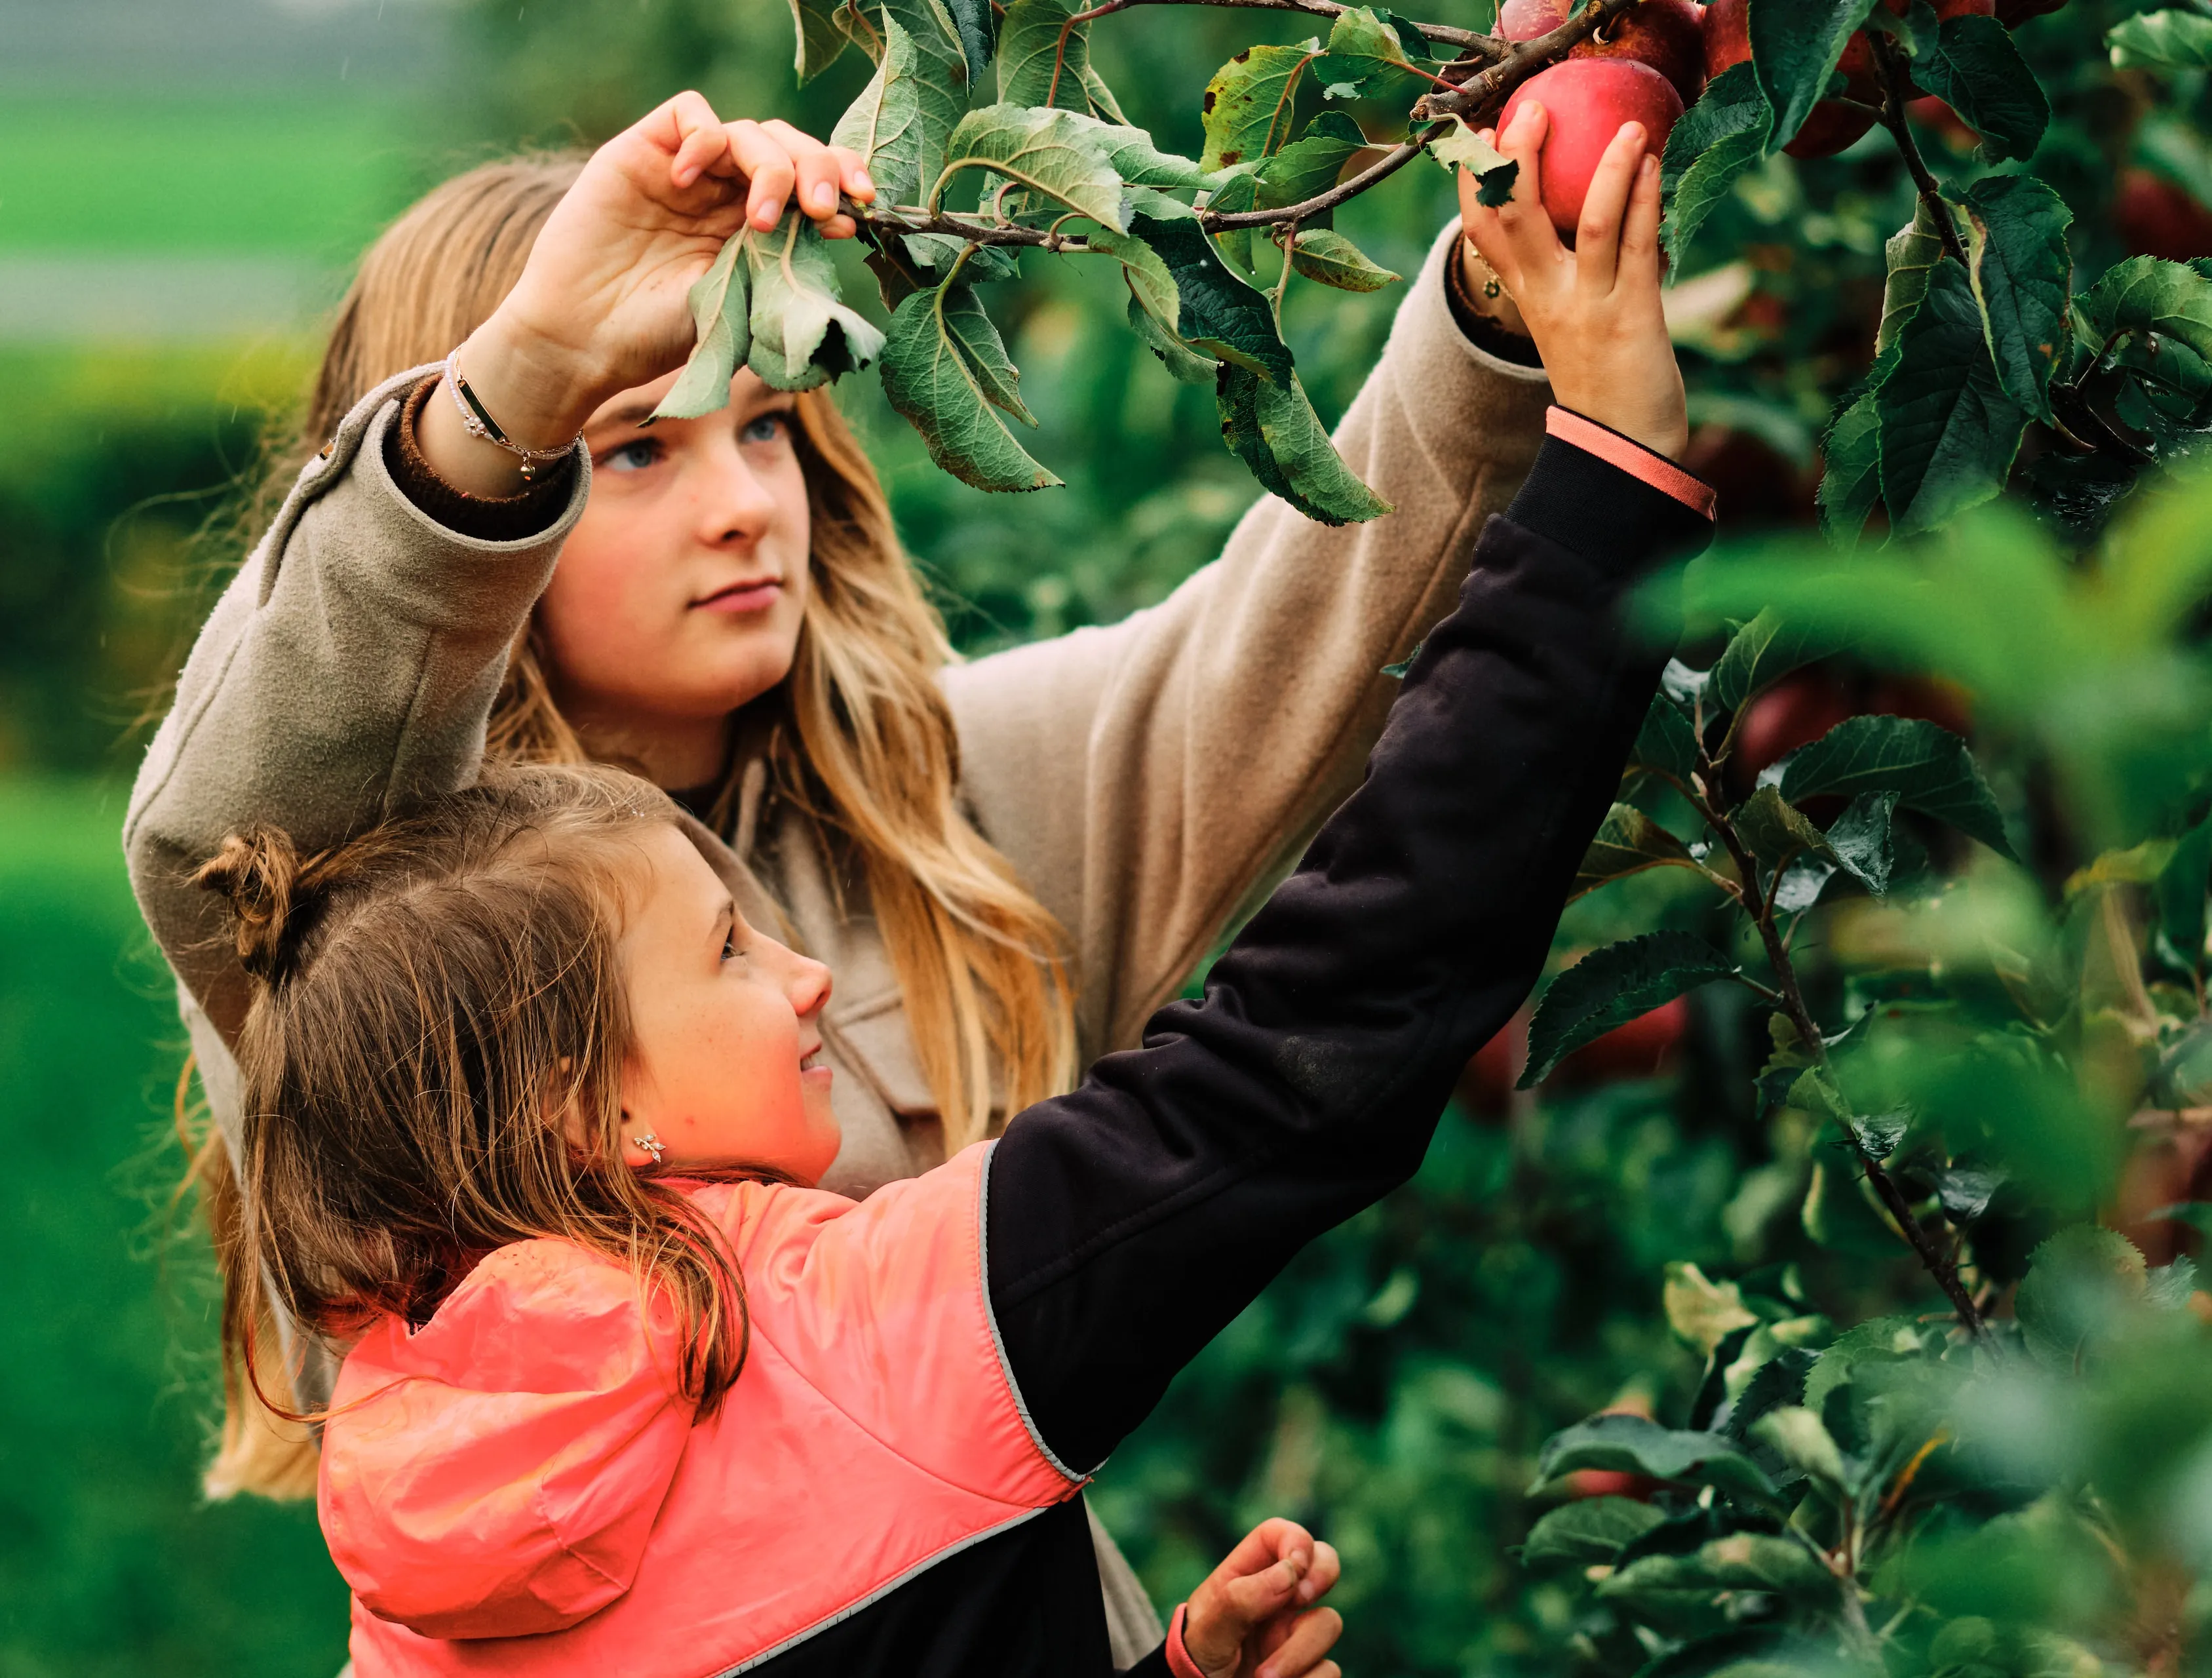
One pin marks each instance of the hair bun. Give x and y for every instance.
(257, 873)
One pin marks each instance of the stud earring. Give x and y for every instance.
(652, 1144)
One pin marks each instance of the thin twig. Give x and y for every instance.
(1896, 91)
(1487, 45)
(1388, 164)
(1489, 86)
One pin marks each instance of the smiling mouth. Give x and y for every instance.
(811, 1061)
(740, 598)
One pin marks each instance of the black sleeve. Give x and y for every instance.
(1126, 1222)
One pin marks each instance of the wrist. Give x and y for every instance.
(543, 392)
(1483, 292)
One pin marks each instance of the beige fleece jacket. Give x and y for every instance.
(1143, 778)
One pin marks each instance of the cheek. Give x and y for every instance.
(602, 611)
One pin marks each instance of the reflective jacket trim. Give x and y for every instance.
(991, 1317)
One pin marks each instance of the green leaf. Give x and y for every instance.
(1633, 1444)
(1773, 830)
(1794, 50)
(1702, 1312)
(1589, 1532)
(822, 36)
(721, 310)
(2161, 41)
(1182, 362)
(1034, 67)
(1716, 139)
(1049, 152)
(1886, 1339)
(976, 22)
(1851, 481)
(1752, 1561)
(1665, 742)
(1310, 164)
(1805, 1446)
(1150, 282)
(2080, 1288)
(1274, 430)
(1761, 653)
(1612, 986)
(1495, 186)
(1977, 71)
(1929, 769)
(1103, 105)
(1628, 843)
(802, 335)
(2143, 295)
(1219, 314)
(2016, 244)
(1137, 161)
(1948, 431)
(2180, 893)
(904, 118)
(1235, 195)
(1324, 255)
(944, 369)
(1909, 256)
(1366, 60)
(1248, 104)
(1862, 840)
(1461, 147)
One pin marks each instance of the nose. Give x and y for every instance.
(734, 506)
(806, 982)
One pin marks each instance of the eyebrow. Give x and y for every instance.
(634, 413)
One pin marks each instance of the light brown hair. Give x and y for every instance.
(431, 1068)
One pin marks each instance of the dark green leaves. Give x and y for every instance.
(1249, 103)
(2162, 40)
(2154, 320)
(976, 22)
(2079, 1289)
(1627, 843)
(945, 369)
(1795, 48)
(1589, 1533)
(1220, 313)
(1366, 60)
(1761, 653)
(2016, 242)
(1610, 987)
(904, 118)
(1720, 136)
(1852, 484)
(1041, 58)
(1048, 151)
(1978, 72)
(1632, 1444)
(1948, 430)
(1310, 164)
(1665, 742)
(1328, 256)
(1272, 428)
(822, 37)
(1928, 768)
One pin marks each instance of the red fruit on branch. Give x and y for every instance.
(1936, 114)
(1667, 35)
(1831, 125)
(1641, 1048)
(2155, 218)
(1726, 26)
(1588, 99)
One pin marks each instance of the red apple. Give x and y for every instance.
(1796, 711)
(1615, 1482)
(1640, 1049)
(1726, 26)
(1666, 35)
(2155, 218)
(1588, 99)
(1934, 113)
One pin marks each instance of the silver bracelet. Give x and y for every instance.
(476, 421)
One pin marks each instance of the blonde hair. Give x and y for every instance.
(859, 736)
(431, 1068)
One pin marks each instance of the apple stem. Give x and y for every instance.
(1490, 86)
(1895, 88)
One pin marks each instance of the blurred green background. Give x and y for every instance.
(181, 191)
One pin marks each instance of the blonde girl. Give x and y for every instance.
(1010, 862)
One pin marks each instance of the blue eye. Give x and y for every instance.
(633, 457)
(766, 428)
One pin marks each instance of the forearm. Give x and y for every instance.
(1130, 1221)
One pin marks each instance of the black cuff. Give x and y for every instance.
(505, 519)
(1608, 515)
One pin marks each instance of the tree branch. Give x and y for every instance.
(1896, 90)
(1487, 46)
(1520, 62)
(1388, 164)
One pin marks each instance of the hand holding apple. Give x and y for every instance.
(1594, 311)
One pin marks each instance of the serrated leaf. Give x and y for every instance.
(1929, 769)
(1366, 60)
(1310, 164)
(1744, 1561)
(1139, 161)
(1463, 147)
(1150, 282)
(904, 117)
(938, 251)
(977, 23)
(822, 36)
(1877, 1135)
(1611, 985)
(1052, 153)
(1963, 1192)
(1324, 254)
(802, 335)
(1948, 431)
(1805, 1445)
(1589, 1532)
(1218, 314)
(1761, 653)
(1628, 842)
(1249, 104)
(2144, 294)
(1794, 50)
(1882, 1339)
(1801, 884)
(1665, 742)
(1774, 830)
(721, 310)
(1042, 58)
(1716, 139)
(2161, 41)
(1862, 840)
(1494, 187)
(2079, 1289)
(2016, 246)
(932, 376)
(1633, 1444)
(1851, 479)
(1274, 430)
(1909, 256)
(1977, 71)
(1182, 362)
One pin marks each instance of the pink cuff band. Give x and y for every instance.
(1179, 1660)
(1615, 450)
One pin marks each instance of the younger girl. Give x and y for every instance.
(532, 1116)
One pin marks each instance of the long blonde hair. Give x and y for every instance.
(431, 1068)
(859, 736)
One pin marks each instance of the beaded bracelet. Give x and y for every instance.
(476, 421)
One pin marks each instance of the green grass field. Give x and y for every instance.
(110, 1562)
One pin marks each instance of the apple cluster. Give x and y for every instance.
(1654, 61)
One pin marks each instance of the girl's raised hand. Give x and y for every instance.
(600, 306)
(1254, 1617)
(1593, 310)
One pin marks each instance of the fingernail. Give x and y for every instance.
(1634, 131)
(861, 183)
(823, 198)
(1650, 167)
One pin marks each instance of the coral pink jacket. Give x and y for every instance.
(522, 1467)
